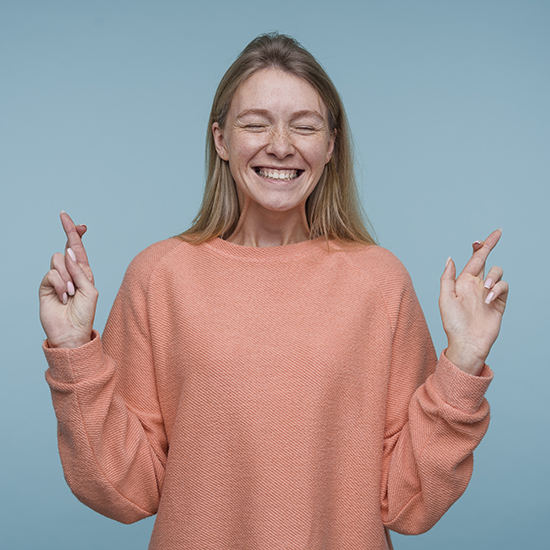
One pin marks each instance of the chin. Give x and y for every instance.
(279, 206)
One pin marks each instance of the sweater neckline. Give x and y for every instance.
(262, 253)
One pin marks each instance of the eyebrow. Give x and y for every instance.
(266, 113)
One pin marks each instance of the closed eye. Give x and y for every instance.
(255, 127)
(304, 129)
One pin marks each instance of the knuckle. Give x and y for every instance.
(57, 259)
(53, 276)
(56, 282)
(496, 272)
(58, 264)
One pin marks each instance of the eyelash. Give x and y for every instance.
(255, 126)
(261, 126)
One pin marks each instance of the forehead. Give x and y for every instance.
(277, 91)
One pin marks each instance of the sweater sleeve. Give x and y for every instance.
(111, 436)
(436, 416)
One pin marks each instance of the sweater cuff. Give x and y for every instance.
(71, 365)
(459, 389)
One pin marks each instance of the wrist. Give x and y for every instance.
(465, 360)
(69, 343)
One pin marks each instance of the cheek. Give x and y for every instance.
(243, 148)
(318, 157)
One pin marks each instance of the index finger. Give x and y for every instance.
(476, 264)
(74, 240)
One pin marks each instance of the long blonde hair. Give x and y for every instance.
(333, 209)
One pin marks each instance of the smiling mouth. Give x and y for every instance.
(281, 175)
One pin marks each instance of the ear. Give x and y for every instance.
(219, 142)
(330, 149)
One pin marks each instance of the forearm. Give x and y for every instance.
(108, 460)
(428, 464)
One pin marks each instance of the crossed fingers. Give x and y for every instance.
(74, 242)
(476, 267)
(476, 264)
(60, 277)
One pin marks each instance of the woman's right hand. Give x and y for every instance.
(68, 297)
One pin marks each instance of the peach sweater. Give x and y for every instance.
(266, 399)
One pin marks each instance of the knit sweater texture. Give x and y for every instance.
(280, 398)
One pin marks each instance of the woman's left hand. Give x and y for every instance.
(472, 306)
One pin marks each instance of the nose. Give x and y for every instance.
(280, 144)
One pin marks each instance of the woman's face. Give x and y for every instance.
(277, 140)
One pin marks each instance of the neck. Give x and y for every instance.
(267, 228)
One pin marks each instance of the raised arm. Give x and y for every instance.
(437, 414)
(111, 436)
(68, 297)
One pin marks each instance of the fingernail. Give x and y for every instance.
(488, 283)
(477, 242)
(447, 262)
(490, 297)
(70, 288)
(62, 212)
(71, 254)
(65, 298)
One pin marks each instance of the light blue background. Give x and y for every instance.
(103, 111)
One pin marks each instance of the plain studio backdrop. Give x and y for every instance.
(103, 112)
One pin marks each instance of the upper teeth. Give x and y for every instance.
(278, 174)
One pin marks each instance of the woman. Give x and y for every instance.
(267, 379)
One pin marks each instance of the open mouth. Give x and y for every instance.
(280, 175)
